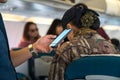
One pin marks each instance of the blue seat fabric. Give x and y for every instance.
(93, 65)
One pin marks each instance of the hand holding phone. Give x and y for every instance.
(61, 37)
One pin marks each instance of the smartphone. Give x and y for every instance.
(61, 37)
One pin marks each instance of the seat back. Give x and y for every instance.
(93, 65)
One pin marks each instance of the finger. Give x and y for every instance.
(51, 36)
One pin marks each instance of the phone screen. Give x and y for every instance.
(61, 37)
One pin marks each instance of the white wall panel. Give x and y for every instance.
(15, 31)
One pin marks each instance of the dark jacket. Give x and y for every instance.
(7, 71)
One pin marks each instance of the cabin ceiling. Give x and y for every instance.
(56, 8)
(49, 8)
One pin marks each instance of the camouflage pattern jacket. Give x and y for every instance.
(88, 43)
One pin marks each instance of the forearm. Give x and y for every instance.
(42, 44)
(20, 56)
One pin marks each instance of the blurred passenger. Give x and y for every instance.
(56, 28)
(116, 43)
(83, 39)
(30, 34)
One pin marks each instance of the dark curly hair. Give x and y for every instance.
(81, 16)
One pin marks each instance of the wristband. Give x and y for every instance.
(32, 51)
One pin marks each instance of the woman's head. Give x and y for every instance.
(56, 27)
(30, 31)
(81, 16)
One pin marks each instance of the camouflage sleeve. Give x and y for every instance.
(65, 55)
(59, 63)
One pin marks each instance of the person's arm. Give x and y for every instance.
(60, 60)
(41, 45)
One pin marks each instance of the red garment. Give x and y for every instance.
(24, 43)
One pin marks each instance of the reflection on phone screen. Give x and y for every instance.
(60, 37)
